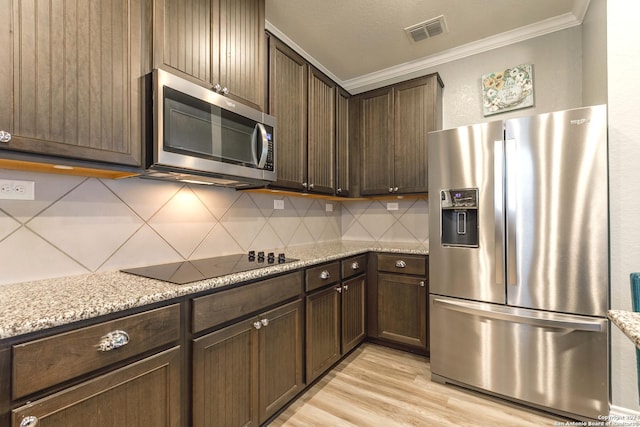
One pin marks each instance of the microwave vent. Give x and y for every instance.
(427, 29)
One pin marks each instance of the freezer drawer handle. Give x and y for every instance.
(534, 321)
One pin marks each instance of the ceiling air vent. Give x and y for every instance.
(427, 29)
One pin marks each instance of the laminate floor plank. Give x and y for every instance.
(379, 386)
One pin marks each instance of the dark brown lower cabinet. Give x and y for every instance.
(246, 372)
(144, 393)
(402, 309)
(335, 324)
(353, 312)
(323, 330)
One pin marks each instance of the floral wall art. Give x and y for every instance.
(507, 90)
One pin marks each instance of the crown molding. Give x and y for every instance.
(415, 68)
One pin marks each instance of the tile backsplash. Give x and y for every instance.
(79, 225)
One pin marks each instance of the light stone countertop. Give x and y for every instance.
(33, 306)
(628, 322)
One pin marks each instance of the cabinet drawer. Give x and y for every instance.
(354, 266)
(46, 362)
(400, 263)
(322, 275)
(215, 309)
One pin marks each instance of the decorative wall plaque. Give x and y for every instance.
(507, 90)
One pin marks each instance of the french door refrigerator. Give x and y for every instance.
(518, 259)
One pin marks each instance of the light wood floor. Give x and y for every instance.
(378, 386)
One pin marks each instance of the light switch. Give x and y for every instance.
(278, 204)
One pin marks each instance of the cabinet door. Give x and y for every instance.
(184, 37)
(402, 309)
(288, 103)
(145, 393)
(321, 154)
(415, 116)
(216, 42)
(242, 50)
(280, 357)
(71, 79)
(225, 377)
(376, 141)
(343, 167)
(323, 330)
(353, 312)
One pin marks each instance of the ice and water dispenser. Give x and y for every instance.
(459, 213)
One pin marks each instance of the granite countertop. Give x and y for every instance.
(33, 306)
(628, 322)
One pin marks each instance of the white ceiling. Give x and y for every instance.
(362, 42)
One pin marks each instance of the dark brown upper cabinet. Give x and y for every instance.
(220, 43)
(393, 126)
(288, 104)
(321, 154)
(71, 80)
(343, 146)
(303, 101)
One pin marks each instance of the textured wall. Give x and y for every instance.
(557, 77)
(623, 60)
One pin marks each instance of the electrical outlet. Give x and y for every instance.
(392, 206)
(278, 204)
(17, 190)
(328, 207)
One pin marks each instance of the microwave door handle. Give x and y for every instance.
(262, 144)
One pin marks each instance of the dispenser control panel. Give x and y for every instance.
(456, 199)
(459, 211)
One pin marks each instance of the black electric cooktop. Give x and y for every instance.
(183, 272)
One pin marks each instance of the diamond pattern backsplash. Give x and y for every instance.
(80, 225)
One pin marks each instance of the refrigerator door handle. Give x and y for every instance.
(471, 308)
(498, 201)
(510, 203)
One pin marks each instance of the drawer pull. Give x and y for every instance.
(355, 266)
(401, 264)
(29, 421)
(325, 275)
(113, 340)
(5, 137)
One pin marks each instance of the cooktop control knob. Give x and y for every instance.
(271, 257)
(252, 255)
(281, 258)
(261, 256)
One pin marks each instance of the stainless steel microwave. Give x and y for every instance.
(198, 135)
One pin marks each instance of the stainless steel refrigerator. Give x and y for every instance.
(518, 259)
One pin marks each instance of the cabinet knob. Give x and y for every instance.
(422, 284)
(390, 189)
(225, 91)
(311, 186)
(305, 185)
(325, 275)
(345, 287)
(339, 190)
(29, 421)
(217, 87)
(257, 324)
(5, 136)
(395, 189)
(339, 289)
(355, 265)
(265, 322)
(401, 264)
(113, 340)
